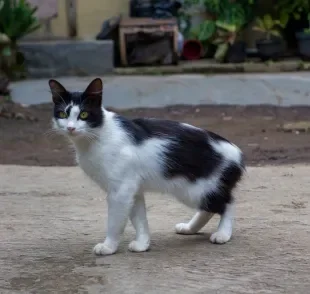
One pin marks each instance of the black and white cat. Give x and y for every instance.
(127, 158)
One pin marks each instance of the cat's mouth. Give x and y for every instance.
(76, 134)
(73, 133)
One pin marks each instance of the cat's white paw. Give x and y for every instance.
(104, 249)
(139, 246)
(220, 237)
(183, 229)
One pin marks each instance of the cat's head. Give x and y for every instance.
(77, 114)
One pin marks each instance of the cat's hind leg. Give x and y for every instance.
(139, 221)
(224, 230)
(199, 220)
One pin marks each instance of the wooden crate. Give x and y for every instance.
(129, 26)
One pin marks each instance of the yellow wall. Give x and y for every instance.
(90, 16)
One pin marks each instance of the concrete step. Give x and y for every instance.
(67, 57)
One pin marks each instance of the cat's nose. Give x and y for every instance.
(71, 129)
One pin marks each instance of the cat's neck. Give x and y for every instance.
(83, 144)
(104, 135)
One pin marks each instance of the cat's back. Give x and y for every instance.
(142, 129)
(182, 145)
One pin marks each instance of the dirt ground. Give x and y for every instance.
(254, 129)
(51, 217)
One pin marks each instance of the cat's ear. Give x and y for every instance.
(93, 92)
(58, 91)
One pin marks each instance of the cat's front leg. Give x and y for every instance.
(120, 203)
(139, 221)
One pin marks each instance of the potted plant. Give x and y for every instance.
(226, 19)
(229, 48)
(192, 49)
(272, 45)
(17, 19)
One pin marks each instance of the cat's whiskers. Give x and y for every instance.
(94, 135)
(51, 132)
(91, 136)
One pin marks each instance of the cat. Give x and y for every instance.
(128, 157)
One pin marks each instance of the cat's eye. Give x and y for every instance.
(84, 115)
(62, 114)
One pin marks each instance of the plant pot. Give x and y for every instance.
(12, 63)
(271, 49)
(192, 50)
(303, 44)
(236, 52)
(7, 53)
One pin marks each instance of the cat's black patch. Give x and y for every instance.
(216, 202)
(95, 115)
(68, 110)
(189, 147)
(191, 155)
(137, 133)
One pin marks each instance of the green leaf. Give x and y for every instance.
(206, 30)
(275, 33)
(284, 17)
(221, 52)
(222, 33)
(259, 29)
(268, 22)
(278, 22)
(194, 33)
(218, 41)
(6, 51)
(260, 23)
(17, 18)
(307, 31)
(226, 26)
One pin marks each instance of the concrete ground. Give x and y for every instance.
(282, 89)
(52, 217)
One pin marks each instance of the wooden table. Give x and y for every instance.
(145, 25)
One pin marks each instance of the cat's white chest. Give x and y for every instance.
(94, 165)
(102, 167)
